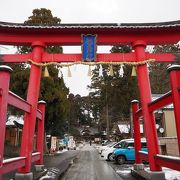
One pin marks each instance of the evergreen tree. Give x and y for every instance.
(53, 89)
(159, 76)
(113, 92)
(42, 17)
(80, 111)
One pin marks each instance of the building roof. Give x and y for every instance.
(95, 25)
(14, 120)
(125, 128)
(88, 130)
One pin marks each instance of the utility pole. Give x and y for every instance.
(107, 114)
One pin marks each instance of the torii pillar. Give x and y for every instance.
(30, 119)
(145, 95)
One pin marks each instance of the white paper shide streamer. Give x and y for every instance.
(121, 71)
(100, 71)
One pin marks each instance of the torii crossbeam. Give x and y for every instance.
(113, 57)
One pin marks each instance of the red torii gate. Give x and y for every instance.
(38, 37)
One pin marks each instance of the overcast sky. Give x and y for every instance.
(83, 11)
(91, 11)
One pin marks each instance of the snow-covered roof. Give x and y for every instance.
(14, 119)
(125, 128)
(89, 130)
(170, 24)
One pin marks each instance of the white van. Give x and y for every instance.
(108, 151)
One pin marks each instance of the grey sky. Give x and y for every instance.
(92, 11)
(83, 11)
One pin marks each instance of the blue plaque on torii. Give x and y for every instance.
(89, 47)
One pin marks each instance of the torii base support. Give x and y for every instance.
(23, 176)
(39, 168)
(138, 167)
(140, 173)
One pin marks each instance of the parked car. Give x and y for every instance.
(107, 153)
(105, 142)
(101, 148)
(126, 152)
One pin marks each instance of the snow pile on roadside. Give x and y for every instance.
(52, 173)
(64, 150)
(171, 174)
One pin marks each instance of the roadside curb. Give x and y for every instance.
(145, 174)
(64, 172)
(55, 172)
(38, 175)
(71, 162)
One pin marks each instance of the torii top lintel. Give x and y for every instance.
(107, 34)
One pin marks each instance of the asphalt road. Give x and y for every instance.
(124, 171)
(57, 164)
(89, 166)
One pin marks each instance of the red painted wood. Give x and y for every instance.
(40, 132)
(105, 57)
(145, 95)
(108, 36)
(12, 164)
(138, 113)
(18, 102)
(163, 57)
(137, 134)
(175, 86)
(69, 36)
(168, 161)
(17, 162)
(32, 98)
(4, 88)
(36, 157)
(143, 155)
(39, 115)
(111, 57)
(14, 58)
(165, 100)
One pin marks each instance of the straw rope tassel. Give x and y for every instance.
(133, 71)
(46, 73)
(121, 71)
(100, 70)
(69, 72)
(89, 71)
(111, 72)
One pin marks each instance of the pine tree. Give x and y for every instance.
(114, 92)
(159, 76)
(53, 89)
